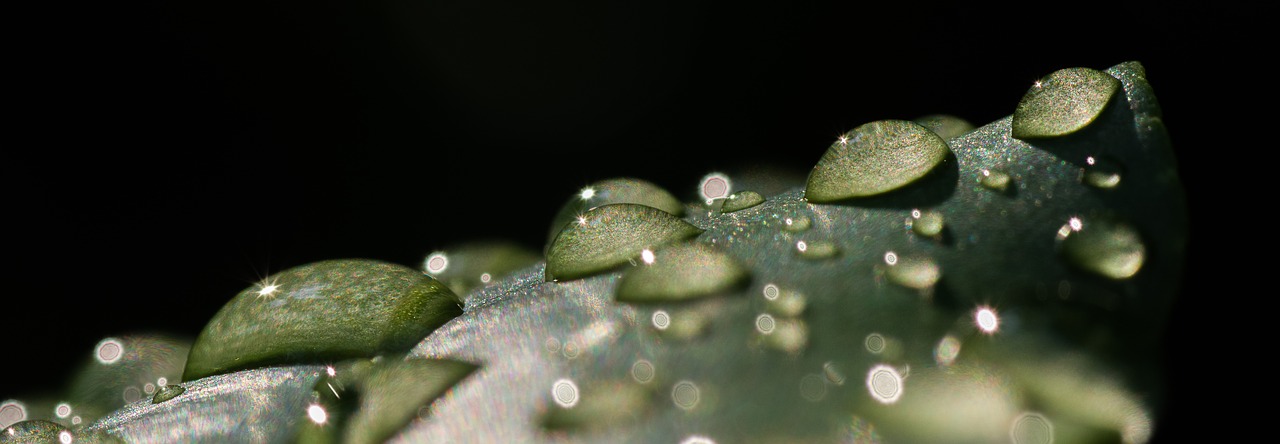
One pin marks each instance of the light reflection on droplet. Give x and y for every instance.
(816, 249)
(813, 388)
(788, 335)
(317, 414)
(885, 384)
(436, 263)
(796, 224)
(986, 319)
(891, 258)
(565, 393)
(63, 410)
(874, 343)
(765, 324)
(647, 256)
(1031, 428)
(697, 439)
(802, 246)
(64, 437)
(268, 288)
(109, 351)
(714, 186)
(643, 371)
(946, 351)
(661, 320)
(329, 370)
(686, 395)
(770, 292)
(12, 411)
(833, 373)
(995, 179)
(587, 193)
(926, 223)
(788, 303)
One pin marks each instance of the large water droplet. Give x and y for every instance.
(816, 249)
(1102, 246)
(473, 265)
(1063, 102)
(875, 158)
(912, 272)
(614, 191)
(926, 223)
(392, 392)
(796, 224)
(1101, 172)
(611, 235)
(33, 432)
(741, 201)
(601, 405)
(166, 393)
(946, 126)
(681, 272)
(327, 310)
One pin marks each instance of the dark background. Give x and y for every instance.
(160, 158)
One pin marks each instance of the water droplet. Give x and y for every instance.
(919, 273)
(682, 325)
(813, 388)
(1102, 246)
(1062, 103)
(609, 236)
(12, 412)
(661, 320)
(875, 158)
(945, 126)
(885, 384)
(1031, 428)
(565, 393)
(946, 351)
(328, 310)
(874, 343)
(32, 431)
(614, 191)
(317, 414)
(99, 386)
(741, 201)
(166, 393)
(600, 405)
(995, 180)
(789, 303)
(714, 186)
(986, 319)
(926, 223)
(642, 371)
(392, 391)
(465, 267)
(816, 249)
(681, 272)
(796, 224)
(686, 395)
(833, 374)
(788, 334)
(1101, 173)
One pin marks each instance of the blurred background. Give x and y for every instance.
(161, 157)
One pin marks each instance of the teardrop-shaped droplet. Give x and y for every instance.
(926, 223)
(117, 370)
(681, 272)
(946, 126)
(875, 158)
(35, 431)
(614, 191)
(1062, 103)
(1103, 246)
(995, 179)
(166, 393)
(1101, 173)
(324, 311)
(796, 224)
(394, 389)
(911, 271)
(473, 265)
(741, 201)
(600, 405)
(816, 249)
(787, 303)
(611, 235)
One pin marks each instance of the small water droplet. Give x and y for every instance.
(1031, 428)
(1101, 172)
(875, 158)
(946, 351)
(686, 395)
(1102, 246)
(741, 200)
(467, 266)
(816, 249)
(599, 405)
(166, 393)
(787, 334)
(681, 272)
(919, 273)
(813, 388)
(926, 223)
(833, 374)
(796, 224)
(789, 303)
(714, 186)
(642, 371)
(609, 236)
(1062, 103)
(995, 180)
(986, 319)
(885, 384)
(683, 325)
(874, 343)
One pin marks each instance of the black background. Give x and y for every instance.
(160, 158)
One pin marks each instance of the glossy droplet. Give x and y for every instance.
(796, 224)
(602, 404)
(1031, 428)
(1102, 246)
(32, 432)
(912, 272)
(986, 319)
(816, 249)
(926, 223)
(115, 371)
(946, 126)
(788, 303)
(394, 390)
(166, 393)
(681, 272)
(885, 384)
(995, 179)
(875, 158)
(1101, 172)
(611, 235)
(473, 265)
(325, 311)
(741, 201)
(1062, 103)
(789, 335)
(613, 191)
